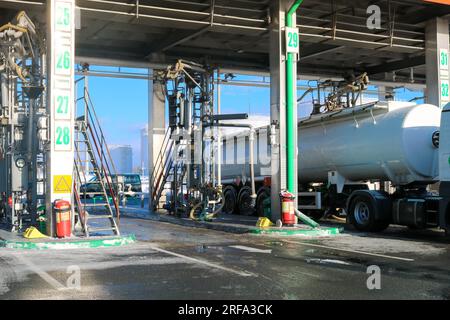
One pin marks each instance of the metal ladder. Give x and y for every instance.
(162, 170)
(90, 143)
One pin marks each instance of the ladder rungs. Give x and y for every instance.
(101, 229)
(94, 157)
(103, 216)
(95, 204)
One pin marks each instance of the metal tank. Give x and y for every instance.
(394, 141)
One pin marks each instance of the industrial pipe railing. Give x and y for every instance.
(252, 156)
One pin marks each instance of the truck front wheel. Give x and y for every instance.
(362, 215)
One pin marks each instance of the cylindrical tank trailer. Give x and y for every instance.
(374, 142)
(339, 152)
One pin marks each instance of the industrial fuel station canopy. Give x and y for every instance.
(235, 33)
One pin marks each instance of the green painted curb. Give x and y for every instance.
(305, 232)
(76, 244)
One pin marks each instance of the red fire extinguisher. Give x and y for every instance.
(63, 218)
(287, 208)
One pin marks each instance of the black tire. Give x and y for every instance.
(244, 201)
(230, 200)
(263, 194)
(362, 215)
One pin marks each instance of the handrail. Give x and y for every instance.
(161, 153)
(92, 115)
(167, 164)
(77, 151)
(81, 208)
(160, 167)
(99, 126)
(162, 163)
(162, 178)
(106, 162)
(107, 176)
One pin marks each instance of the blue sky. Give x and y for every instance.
(122, 105)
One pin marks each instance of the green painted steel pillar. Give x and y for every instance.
(291, 85)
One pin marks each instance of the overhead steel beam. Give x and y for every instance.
(434, 11)
(172, 42)
(396, 65)
(322, 49)
(166, 45)
(118, 62)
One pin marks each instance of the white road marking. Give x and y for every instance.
(206, 263)
(325, 261)
(351, 251)
(44, 275)
(250, 249)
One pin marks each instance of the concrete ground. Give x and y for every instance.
(176, 262)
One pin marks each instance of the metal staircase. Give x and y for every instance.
(96, 201)
(162, 171)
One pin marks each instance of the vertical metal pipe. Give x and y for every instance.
(219, 137)
(291, 78)
(252, 165)
(85, 91)
(31, 149)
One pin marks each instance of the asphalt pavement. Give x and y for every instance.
(176, 262)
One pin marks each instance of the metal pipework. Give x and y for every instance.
(219, 136)
(252, 156)
(290, 105)
(231, 116)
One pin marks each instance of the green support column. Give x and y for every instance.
(291, 85)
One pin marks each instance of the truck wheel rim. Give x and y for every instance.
(361, 213)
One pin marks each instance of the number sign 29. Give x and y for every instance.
(292, 40)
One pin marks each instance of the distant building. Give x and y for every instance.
(144, 151)
(122, 156)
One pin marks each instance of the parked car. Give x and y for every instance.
(128, 183)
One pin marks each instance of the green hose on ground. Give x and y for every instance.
(306, 220)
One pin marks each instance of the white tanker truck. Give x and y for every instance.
(339, 152)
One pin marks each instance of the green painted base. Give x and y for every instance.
(70, 244)
(316, 232)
